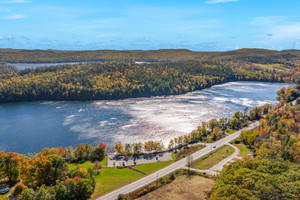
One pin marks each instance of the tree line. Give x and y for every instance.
(119, 80)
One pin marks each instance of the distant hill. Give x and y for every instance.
(43, 56)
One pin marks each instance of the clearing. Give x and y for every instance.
(183, 187)
(213, 158)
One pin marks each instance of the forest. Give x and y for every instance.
(47, 175)
(274, 173)
(162, 55)
(119, 80)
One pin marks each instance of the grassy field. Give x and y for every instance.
(215, 157)
(152, 167)
(278, 67)
(243, 149)
(113, 178)
(192, 188)
(186, 152)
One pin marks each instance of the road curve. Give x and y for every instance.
(173, 167)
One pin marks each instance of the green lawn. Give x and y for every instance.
(152, 167)
(243, 149)
(112, 178)
(215, 157)
(271, 66)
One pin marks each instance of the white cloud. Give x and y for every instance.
(6, 37)
(17, 16)
(276, 30)
(14, 1)
(219, 1)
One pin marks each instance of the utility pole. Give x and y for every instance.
(189, 163)
(156, 179)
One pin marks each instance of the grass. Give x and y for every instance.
(152, 167)
(271, 66)
(243, 149)
(230, 131)
(112, 178)
(186, 152)
(212, 159)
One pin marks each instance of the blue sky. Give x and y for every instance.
(200, 25)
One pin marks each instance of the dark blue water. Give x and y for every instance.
(29, 127)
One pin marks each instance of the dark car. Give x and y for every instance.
(4, 189)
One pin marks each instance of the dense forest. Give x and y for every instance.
(42, 56)
(118, 80)
(274, 173)
(48, 175)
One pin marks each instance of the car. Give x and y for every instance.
(4, 189)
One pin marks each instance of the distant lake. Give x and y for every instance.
(31, 126)
(34, 65)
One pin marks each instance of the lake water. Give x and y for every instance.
(31, 126)
(34, 65)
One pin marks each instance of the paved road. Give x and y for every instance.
(173, 167)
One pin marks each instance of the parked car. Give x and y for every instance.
(4, 189)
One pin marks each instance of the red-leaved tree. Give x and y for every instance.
(103, 146)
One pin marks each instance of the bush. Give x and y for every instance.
(27, 194)
(2, 197)
(124, 197)
(19, 189)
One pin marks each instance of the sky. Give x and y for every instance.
(198, 25)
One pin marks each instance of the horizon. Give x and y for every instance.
(202, 25)
(214, 51)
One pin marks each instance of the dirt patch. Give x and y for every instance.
(193, 188)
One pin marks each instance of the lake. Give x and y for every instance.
(34, 65)
(31, 126)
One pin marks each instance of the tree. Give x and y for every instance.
(62, 152)
(49, 169)
(10, 165)
(234, 123)
(128, 149)
(171, 144)
(149, 146)
(119, 148)
(213, 123)
(19, 189)
(103, 146)
(27, 194)
(137, 148)
(80, 152)
(98, 153)
(61, 191)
